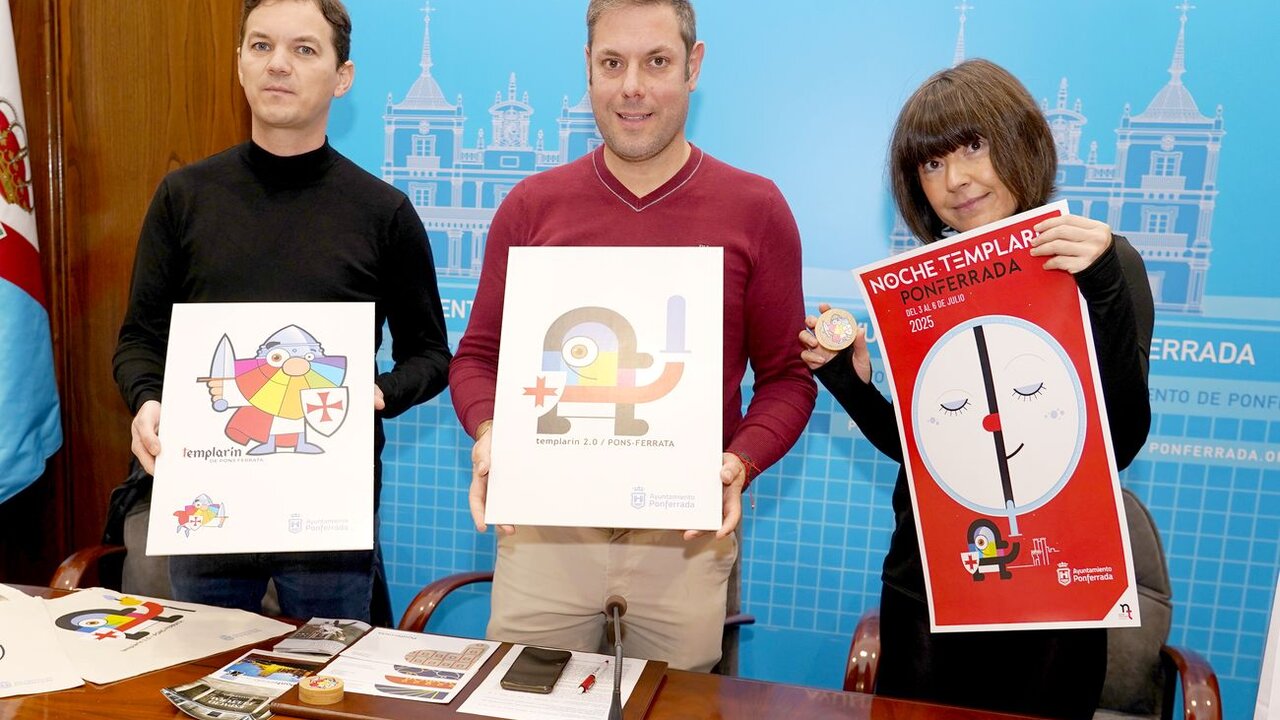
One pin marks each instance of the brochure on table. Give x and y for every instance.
(267, 430)
(410, 665)
(242, 689)
(608, 399)
(323, 637)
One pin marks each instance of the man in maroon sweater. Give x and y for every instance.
(647, 185)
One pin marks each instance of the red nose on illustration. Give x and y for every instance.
(991, 423)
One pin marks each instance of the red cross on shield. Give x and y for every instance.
(325, 408)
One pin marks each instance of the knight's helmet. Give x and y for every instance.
(293, 339)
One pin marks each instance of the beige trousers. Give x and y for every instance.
(550, 586)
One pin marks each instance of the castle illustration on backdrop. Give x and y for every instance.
(1159, 192)
(456, 188)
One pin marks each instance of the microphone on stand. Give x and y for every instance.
(614, 608)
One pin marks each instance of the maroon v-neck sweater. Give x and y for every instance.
(706, 203)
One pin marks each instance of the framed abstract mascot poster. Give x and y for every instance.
(608, 401)
(995, 384)
(266, 430)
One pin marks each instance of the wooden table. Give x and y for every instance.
(683, 696)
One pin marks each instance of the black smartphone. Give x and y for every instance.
(536, 670)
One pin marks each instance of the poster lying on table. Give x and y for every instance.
(31, 661)
(608, 402)
(109, 636)
(995, 384)
(266, 431)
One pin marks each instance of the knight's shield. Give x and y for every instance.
(970, 561)
(325, 408)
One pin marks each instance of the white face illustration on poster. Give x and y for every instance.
(1034, 434)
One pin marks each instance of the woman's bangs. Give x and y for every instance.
(941, 125)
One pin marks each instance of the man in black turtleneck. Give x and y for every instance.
(285, 218)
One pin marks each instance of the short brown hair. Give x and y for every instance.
(683, 9)
(955, 107)
(335, 13)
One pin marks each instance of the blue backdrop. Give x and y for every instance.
(1161, 115)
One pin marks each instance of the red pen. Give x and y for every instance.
(590, 679)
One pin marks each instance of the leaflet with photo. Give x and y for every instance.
(323, 637)
(242, 689)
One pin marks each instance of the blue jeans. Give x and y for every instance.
(308, 584)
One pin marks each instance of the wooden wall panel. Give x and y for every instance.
(132, 89)
(148, 86)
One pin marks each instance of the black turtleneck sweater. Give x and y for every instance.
(248, 226)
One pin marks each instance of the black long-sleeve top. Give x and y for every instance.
(246, 225)
(1122, 316)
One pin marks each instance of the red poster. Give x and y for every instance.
(990, 361)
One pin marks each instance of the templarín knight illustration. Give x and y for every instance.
(591, 354)
(126, 619)
(288, 389)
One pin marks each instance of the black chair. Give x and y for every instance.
(1141, 667)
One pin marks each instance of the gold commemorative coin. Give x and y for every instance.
(836, 329)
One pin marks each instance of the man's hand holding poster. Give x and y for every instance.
(990, 360)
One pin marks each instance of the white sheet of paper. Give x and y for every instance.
(410, 665)
(109, 636)
(1268, 705)
(31, 661)
(233, 477)
(564, 702)
(608, 405)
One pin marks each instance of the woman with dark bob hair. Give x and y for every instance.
(971, 147)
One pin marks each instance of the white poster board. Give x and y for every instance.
(1268, 706)
(281, 459)
(608, 407)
